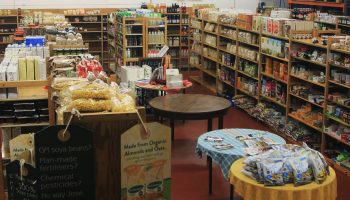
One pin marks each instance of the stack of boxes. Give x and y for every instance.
(22, 63)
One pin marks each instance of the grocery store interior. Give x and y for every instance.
(182, 100)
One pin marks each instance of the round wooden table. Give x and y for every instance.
(250, 189)
(191, 107)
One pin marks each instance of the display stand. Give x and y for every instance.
(107, 129)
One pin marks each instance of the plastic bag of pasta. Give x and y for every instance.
(90, 91)
(123, 103)
(91, 105)
(273, 172)
(301, 170)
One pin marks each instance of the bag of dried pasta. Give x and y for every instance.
(91, 105)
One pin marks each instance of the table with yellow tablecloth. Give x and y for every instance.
(250, 189)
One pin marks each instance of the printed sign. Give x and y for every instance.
(64, 161)
(146, 163)
(21, 181)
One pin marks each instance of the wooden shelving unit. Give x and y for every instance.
(131, 34)
(338, 4)
(203, 78)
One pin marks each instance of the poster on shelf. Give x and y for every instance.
(146, 163)
(65, 163)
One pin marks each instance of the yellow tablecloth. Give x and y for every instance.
(250, 189)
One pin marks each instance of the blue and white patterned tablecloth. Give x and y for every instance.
(225, 158)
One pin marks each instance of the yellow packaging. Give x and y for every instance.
(22, 68)
(30, 68)
(36, 67)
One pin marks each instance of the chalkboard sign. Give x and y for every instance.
(64, 161)
(22, 183)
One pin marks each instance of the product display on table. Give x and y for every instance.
(284, 164)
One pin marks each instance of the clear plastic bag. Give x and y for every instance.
(91, 105)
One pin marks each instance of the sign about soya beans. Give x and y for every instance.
(21, 181)
(64, 160)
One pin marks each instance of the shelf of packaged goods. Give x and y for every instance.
(344, 25)
(250, 31)
(36, 83)
(309, 43)
(209, 21)
(339, 104)
(303, 122)
(275, 36)
(209, 72)
(337, 120)
(85, 22)
(135, 24)
(210, 45)
(133, 46)
(274, 100)
(328, 23)
(339, 84)
(254, 61)
(227, 83)
(246, 74)
(8, 23)
(210, 58)
(133, 34)
(338, 66)
(7, 16)
(278, 58)
(229, 52)
(247, 93)
(340, 51)
(7, 33)
(317, 3)
(338, 139)
(228, 25)
(25, 99)
(89, 31)
(227, 66)
(210, 32)
(24, 125)
(228, 37)
(92, 41)
(173, 35)
(310, 61)
(337, 166)
(160, 26)
(306, 80)
(273, 77)
(306, 100)
(250, 44)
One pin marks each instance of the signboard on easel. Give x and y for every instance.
(146, 163)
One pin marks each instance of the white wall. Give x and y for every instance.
(13, 4)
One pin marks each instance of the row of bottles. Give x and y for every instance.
(156, 37)
(162, 8)
(133, 52)
(174, 41)
(184, 41)
(133, 41)
(185, 30)
(173, 19)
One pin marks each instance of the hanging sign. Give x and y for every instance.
(64, 160)
(21, 181)
(146, 163)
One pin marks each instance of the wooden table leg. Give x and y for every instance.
(210, 163)
(232, 191)
(210, 124)
(221, 122)
(172, 125)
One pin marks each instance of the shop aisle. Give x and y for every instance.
(190, 173)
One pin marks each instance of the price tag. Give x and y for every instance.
(21, 181)
(64, 160)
